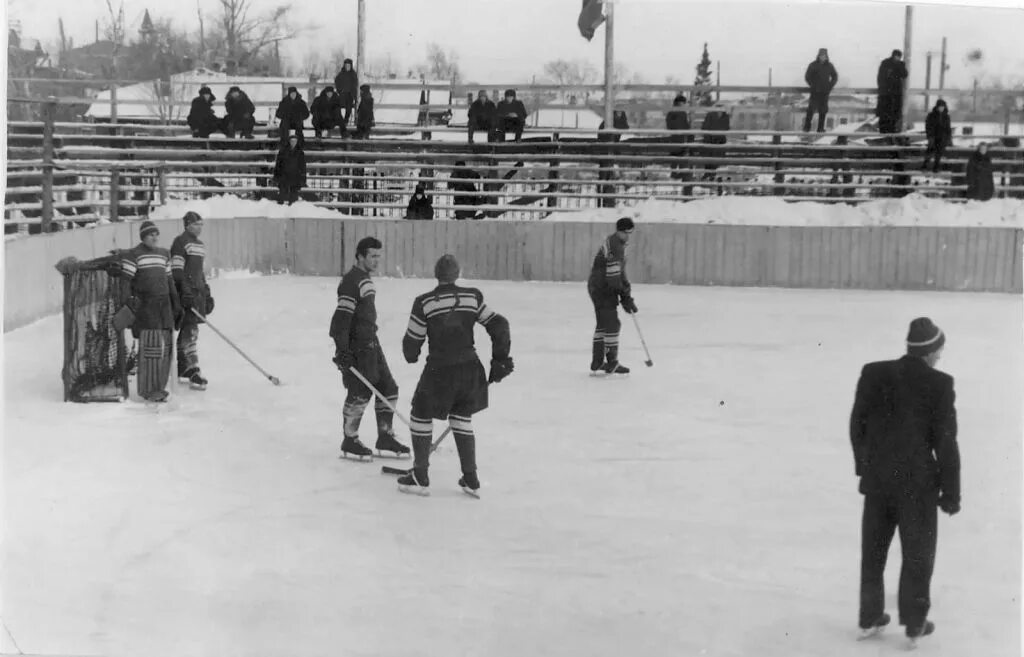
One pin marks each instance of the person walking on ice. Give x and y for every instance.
(608, 285)
(453, 385)
(903, 428)
(354, 331)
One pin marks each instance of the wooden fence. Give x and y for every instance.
(918, 258)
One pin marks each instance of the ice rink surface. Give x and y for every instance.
(705, 506)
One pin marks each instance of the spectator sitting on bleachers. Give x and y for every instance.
(462, 179)
(679, 119)
(326, 112)
(619, 122)
(201, 118)
(240, 114)
(716, 119)
(420, 205)
(291, 112)
(940, 133)
(481, 116)
(980, 185)
(510, 116)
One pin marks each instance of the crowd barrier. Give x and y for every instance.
(898, 258)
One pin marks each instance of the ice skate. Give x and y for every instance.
(386, 442)
(351, 445)
(415, 483)
(915, 633)
(196, 381)
(614, 367)
(157, 397)
(597, 359)
(470, 484)
(875, 629)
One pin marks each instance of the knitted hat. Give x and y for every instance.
(624, 224)
(897, 53)
(190, 218)
(680, 99)
(924, 337)
(147, 228)
(447, 269)
(822, 51)
(291, 89)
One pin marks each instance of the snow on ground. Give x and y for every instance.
(705, 506)
(912, 210)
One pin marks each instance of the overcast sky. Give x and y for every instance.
(508, 41)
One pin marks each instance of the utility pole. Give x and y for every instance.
(942, 66)
(908, 24)
(927, 80)
(718, 80)
(361, 37)
(609, 64)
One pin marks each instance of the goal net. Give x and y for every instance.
(96, 360)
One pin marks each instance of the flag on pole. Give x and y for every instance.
(591, 16)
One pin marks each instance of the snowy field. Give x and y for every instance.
(705, 506)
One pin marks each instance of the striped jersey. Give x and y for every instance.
(188, 254)
(148, 269)
(354, 324)
(445, 318)
(608, 272)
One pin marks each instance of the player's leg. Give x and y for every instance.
(597, 349)
(154, 350)
(471, 398)
(609, 322)
(918, 524)
(424, 404)
(878, 525)
(356, 401)
(387, 386)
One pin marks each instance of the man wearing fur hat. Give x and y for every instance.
(154, 302)
(608, 285)
(201, 119)
(892, 75)
(188, 254)
(241, 114)
(904, 434)
(509, 116)
(326, 112)
(821, 77)
(291, 112)
(346, 84)
(453, 385)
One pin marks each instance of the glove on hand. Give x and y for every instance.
(188, 301)
(500, 368)
(344, 360)
(209, 305)
(949, 506)
(629, 305)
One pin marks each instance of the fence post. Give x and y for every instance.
(113, 104)
(553, 181)
(49, 115)
(778, 189)
(115, 193)
(161, 173)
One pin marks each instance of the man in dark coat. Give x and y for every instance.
(892, 73)
(326, 112)
(420, 205)
(821, 77)
(463, 180)
(619, 122)
(290, 171)
(201, 119)
(291, 112)
(903, 429)
(364, 113)
(240, 114)
(481, 116)
(980, 185)
(509, 116)
(346, 84)
(939, 132)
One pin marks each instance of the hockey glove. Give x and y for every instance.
(209, 305)
(628, 304)
(344, 360)
(952, 507)
(500, 368)
(188, 301)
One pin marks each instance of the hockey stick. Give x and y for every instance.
(273, 379)
(384, 400)
(648, 362)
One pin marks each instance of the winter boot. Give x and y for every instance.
(352, 445)
(416, 482)
(915, 633)
(386, 442)
(875, 628)
(196, 381)
(597, 359)
(612, 365)
(470, 484)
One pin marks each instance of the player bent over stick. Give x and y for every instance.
(354, 330)
(607, 285)
(453, 384)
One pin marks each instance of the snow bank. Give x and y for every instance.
(912, 210)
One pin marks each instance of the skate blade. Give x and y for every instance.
(194, 386)
(368, 458)
(870, 633)
(472, 493)
(414, 490)
(388, 454)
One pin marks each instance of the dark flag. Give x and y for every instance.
(591, 17)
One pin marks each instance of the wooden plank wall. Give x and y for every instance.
(905, 258)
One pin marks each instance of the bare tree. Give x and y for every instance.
(440, 65)
(243, 36)
(568, 73)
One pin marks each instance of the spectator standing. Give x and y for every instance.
(892, 73)
(821, 78)
(939, 132)
(481, 116)
(510, 116)
(326, 112)
(679, 119)
(717, 119)
(463, 179)
(346, 83)
(364, 113)
(240, 114)
(201, 119)
(619, 122)
(980, 186)
(290, 171)
(292, 113)
(420, 205)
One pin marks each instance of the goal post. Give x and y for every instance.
(96, 359)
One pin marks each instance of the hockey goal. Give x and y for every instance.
(96, 359)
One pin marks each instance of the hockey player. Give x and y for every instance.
(903, 429)
(156, 307)
(608, 285)
(452, 386)
(188, 254)
(354, 331)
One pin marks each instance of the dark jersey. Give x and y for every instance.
(608, 273)
(354, 325)
(149, 271)
(188, 254)
(445, 318)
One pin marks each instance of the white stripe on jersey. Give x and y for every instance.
(346, 303)
(367, 288)
(195, 249)
(449, 302)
